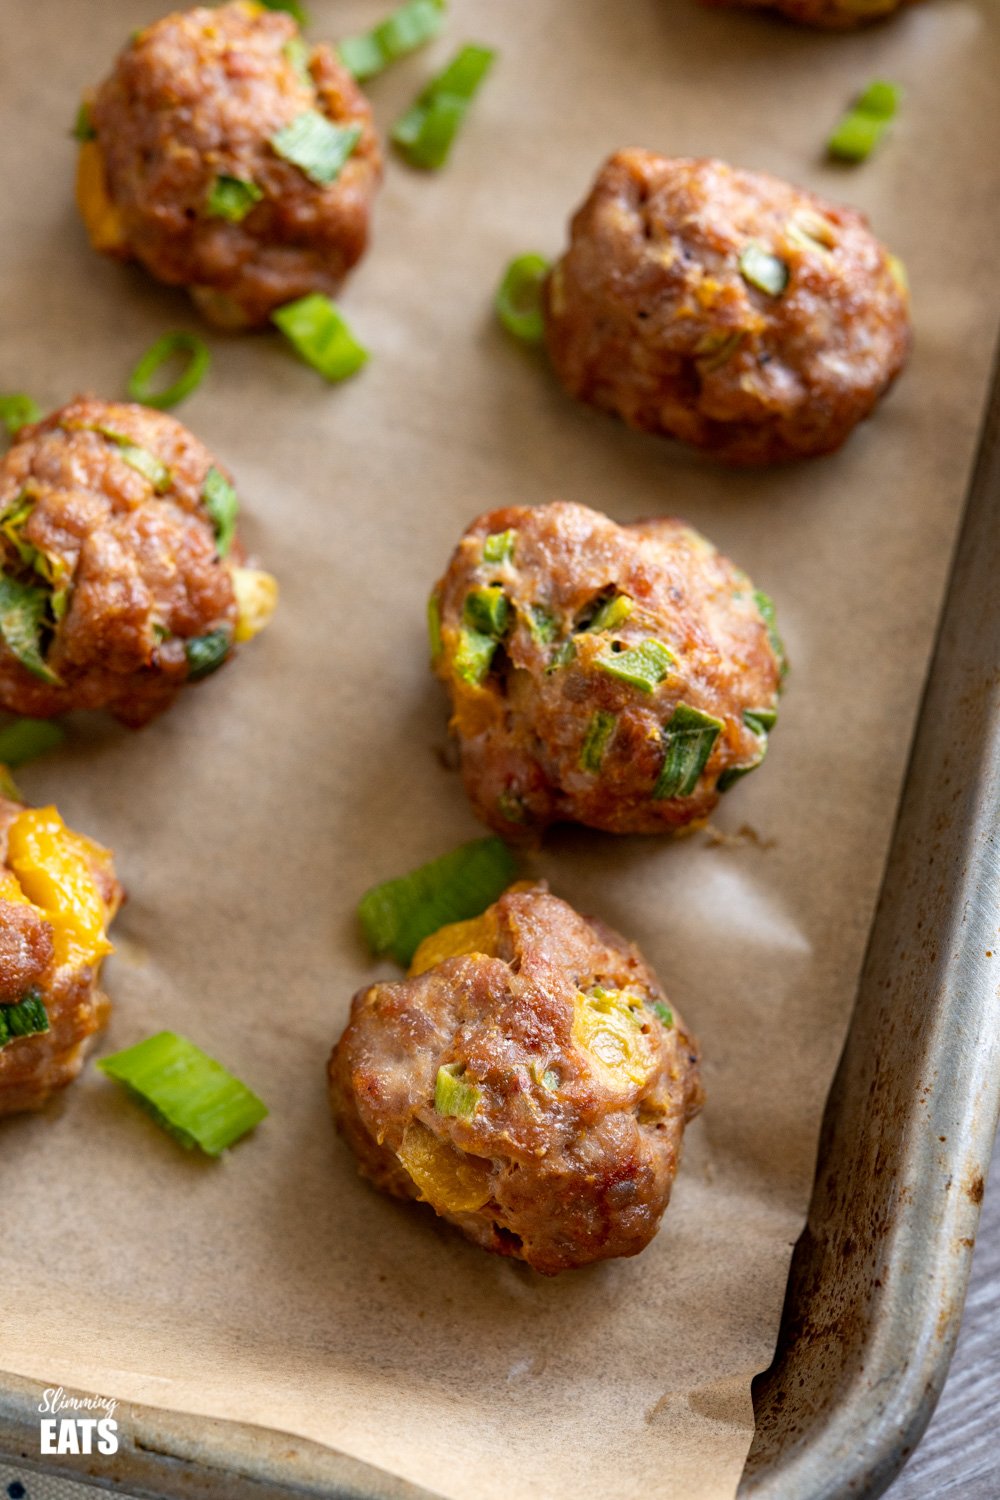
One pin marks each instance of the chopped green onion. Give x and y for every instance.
(595, 742)
(206, 653)
(17, 411)
(519, 298)
(314, 145)
(760, 720)
(397, 915)
(452, 1095)
(434, 626)
(83, 125)
(22, 614)
(487, 610)
(426, 132)
(232, 198)
(611, 613)
(28, 1017)
(499, 546)
(734, 773)
(511, 807)
(297, 52)
(193, 1097)
(145, 463)
(402, 32)
(550, 1080)
(473, 655)
(561, 656)
(762, 269)
(26, 738)
(293, 8)
(664, 1012)
(713, 350)
(765, 605)
(140, 381)
(542, 625)
(643, 667)
(860, 128)
(688, 741)
(219, 499)
(317, 329)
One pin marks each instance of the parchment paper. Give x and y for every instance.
(274, 1287)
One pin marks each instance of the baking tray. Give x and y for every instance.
(878, 1278)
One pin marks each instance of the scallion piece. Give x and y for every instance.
(860, 128)
(765, 605)
(402, 32)
(206, 653)
(219, 499)
(643, 666)
(28, 1017)
(192, 1096)
(473, 655)
(140, 382)
(23, 610)
(519, 298)
(452, 1095)
(487, 610)
(293, 7)
(297, 53)
(612, 613)
(425, 133)
(688, 740)
(316, 146)
(397, 915)
(145, 463)
(317, 329)
(542, 624)
(760, 720)
(27, 738)
(763, 269)
(499, 546)
(664, 1012)
(561, 657)
(232, 198)
(595, 741)
(17, 411)
(83, 125)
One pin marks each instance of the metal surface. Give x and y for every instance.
(878, 1278)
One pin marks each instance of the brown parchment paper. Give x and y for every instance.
(274, 1287)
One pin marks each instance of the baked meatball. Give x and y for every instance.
(831, 15)
(725, 308)
(58, 895)
(618, 676)
(214, 160)
(529, 1081)
(113, 588)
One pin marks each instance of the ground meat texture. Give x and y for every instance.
(114, 590)
(830, 15)
(530, 1081)
(197, 99)
(658, 310)
(617, 676)
(51, 956)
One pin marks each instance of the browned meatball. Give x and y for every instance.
(831, 15)
(113, 592)
(58, 895)
(725, 308)
(618, 676)
(185, 170)
(529, 1081)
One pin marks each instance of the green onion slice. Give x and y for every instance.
(145, 463)
(473, 655)
(519, 298)
(316, 146)
(397, 915)
(83, 125)
(27, 738)
(192, 1096)
(27, 1018)
(452, 1095)
(402, 32)
(611, 613)
(293, 7)
(425, 133)
(297, 52)
(17, 411)
(498, 547)
(688, 741)
(561, 657)
(860, 128)
(206, 653)
(763, 269)
(595, 742)
(760, 720)
(542, 624)
(643, 666)
(23, 609)
(765, 605)
(318, 331)
(487, 610)
(232, 198)
(219, 499)
(141, 383)
(664, 1012)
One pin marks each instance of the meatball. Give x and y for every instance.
(831, 15)
(58, 895)
(529, 1081)
(725, 308)
(214, 157)
(618, 676)
(113, 589)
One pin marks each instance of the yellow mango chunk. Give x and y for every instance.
(256, 600)
(10, 890)
(447, 1180)
(458, 938)
(52, 866)
(607, 1026)
(100, 216)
